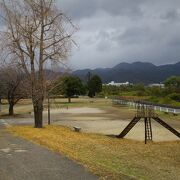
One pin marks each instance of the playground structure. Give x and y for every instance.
(143, 111)
(147, 113)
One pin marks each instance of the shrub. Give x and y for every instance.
(174, 96)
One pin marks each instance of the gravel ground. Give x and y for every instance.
(103, 121)
(94, 120)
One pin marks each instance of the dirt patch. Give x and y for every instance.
(95, 120)
(83, 110)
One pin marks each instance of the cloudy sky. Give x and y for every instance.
(114, 31)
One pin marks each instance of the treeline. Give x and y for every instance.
(72, 86)
(14, 86)
(169, 94)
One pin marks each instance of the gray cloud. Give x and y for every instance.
(87, 8)
(112, 31)
(121, 7)
(78, 8)
(117, 30)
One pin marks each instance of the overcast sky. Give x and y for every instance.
(114, 31)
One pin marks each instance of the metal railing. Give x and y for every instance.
(156, 107)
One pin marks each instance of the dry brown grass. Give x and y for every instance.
(24, 106)
(107, 157)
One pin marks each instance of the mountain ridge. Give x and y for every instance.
(136, 72)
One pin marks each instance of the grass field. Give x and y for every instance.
(107, 157)
(25, 106)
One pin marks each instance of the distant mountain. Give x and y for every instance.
(137, 72)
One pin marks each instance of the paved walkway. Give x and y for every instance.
(22, 160)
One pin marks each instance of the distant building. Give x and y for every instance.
(161, 85)
(112, 83)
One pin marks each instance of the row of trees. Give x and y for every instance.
(71, 86)
(35, 33)
(14, 86)
(170, 93)
(172, 85)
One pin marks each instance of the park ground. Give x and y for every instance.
(107, 157)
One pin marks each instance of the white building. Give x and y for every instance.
(112, 83)
(157, 85)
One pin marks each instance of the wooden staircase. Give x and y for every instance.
(157, 119)
(129, 127)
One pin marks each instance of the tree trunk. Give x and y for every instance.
(11, 109)
(0, 104)
(69, 99)
(38, 115)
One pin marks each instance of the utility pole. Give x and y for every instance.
(49, 106)
(49, 113)
(0, 103)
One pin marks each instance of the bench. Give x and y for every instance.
(77, 129)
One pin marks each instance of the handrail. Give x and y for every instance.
(164, 108)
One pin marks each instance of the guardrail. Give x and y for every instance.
(156, 107)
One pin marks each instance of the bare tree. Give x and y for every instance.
(37, 33)
(13, 86)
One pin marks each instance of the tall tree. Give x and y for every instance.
(94, 85)
(173, 83)
(13, 86)
(68, 86)
(37, 33)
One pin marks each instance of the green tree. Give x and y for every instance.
(175, 96)
(139, 89)
(154, 91)
(94, 85)
(173, 83)
(69, 86)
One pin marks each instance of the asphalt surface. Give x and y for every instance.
(23, 160)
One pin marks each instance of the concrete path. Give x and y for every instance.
(22, 160)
